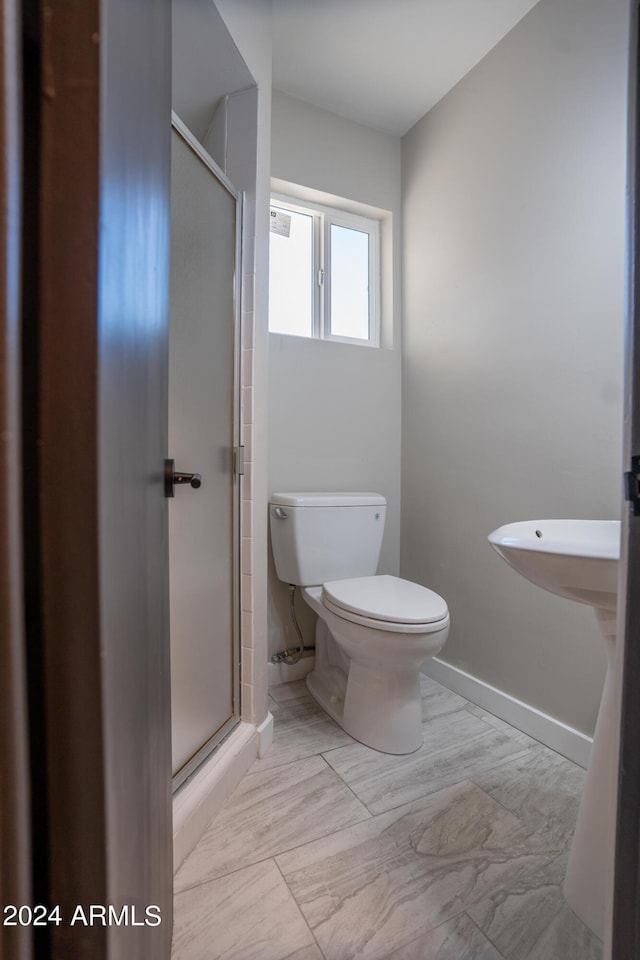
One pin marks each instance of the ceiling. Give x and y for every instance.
(383, 63)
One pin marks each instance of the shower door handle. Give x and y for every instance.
(172, 476)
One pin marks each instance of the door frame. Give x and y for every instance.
(237, 454)
(625, 931)
(15, 820)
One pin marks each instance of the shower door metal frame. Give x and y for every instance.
(221, 732)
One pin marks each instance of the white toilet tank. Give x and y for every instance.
(326, 536)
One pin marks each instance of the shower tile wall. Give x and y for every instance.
(328, 849)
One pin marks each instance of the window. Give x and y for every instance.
(324, 274)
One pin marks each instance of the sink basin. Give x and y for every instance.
(576, 559)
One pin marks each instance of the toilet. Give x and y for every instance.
(373, 632)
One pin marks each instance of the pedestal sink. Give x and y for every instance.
(578, 559)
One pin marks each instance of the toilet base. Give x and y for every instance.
(383, 710)
(325, 697)
(390, 724)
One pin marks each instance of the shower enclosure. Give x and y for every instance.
(203, 439)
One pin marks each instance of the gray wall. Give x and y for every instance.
(206, 64)
(514, 275)
(334, 408)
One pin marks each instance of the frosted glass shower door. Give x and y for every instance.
(203, 424)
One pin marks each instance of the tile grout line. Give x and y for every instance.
(279, 853)
(534, 743)
(535, 833)
(486, 937)
(495, 799)
(503, 762)
(287, 763)
(304, 919)
(443, 923)
(348, 786)
(453, 783)
(221, 876)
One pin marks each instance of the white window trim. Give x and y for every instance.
(323, 218)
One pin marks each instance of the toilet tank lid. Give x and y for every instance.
(316, 499)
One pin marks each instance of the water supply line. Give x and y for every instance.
(293, 654)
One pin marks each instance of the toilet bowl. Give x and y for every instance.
(367, 669)
(373, 632)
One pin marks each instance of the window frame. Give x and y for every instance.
(323, 218)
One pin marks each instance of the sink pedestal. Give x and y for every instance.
(584, 885)
(578, 559)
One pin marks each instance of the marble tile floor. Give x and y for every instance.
(328, 850)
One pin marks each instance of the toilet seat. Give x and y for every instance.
(386, 603)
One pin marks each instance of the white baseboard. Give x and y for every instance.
(203, 794)
(265, 735)
(553, 733)
(286, 673)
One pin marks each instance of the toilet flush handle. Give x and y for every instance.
(280, 513)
